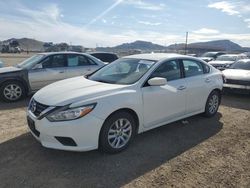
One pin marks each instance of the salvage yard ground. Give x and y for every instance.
(199, 152)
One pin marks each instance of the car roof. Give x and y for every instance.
(233, 55)
(65, 52)
(102, 53)
(155, 56)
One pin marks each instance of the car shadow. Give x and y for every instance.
(25, 163)
(13, 105)
(236, 100)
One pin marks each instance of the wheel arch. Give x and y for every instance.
(21, 81)
(128, 110)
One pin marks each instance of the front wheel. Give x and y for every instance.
(11, 91)
(117, 132)
(212, 104)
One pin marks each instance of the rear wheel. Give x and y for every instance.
(212, 104)
(117, 132)
(11, 91)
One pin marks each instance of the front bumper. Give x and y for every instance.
(84, 132)
(236, 86)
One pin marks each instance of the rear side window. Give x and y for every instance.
(54, 61)
(192, 68)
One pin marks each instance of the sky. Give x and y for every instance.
(102, 23)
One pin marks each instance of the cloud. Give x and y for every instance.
(224, 6)
(106, 11)
(46, 24)
(145, 5)
(237, 8)
(206, 31)
(248, 22)
(149, 23)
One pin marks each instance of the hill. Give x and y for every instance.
(27, 44)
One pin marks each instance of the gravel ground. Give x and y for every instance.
(199, 152)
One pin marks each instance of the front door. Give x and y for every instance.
(168, 102)
(51, 69)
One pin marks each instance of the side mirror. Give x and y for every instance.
(38, 66)
(157, 81)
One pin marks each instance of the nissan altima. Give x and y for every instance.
(132, 95)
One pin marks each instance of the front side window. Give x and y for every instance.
(122, 71)
(54, 61)
(192, 68)
(169, 70)
(30, 62)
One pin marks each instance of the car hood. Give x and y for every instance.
(220, 62)
(73, 90)
(237, 74)
(9, 70)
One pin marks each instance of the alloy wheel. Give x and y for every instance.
(119, 133)
(12, 92)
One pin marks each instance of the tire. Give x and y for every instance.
(212, 104)
(117, 132)
(12, 91)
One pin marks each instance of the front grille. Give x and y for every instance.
(37, 108)
(238, 82)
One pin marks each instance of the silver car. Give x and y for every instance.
(43, 69)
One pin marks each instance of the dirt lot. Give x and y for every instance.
(201, 152)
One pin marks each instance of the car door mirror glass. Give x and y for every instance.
(157, 81)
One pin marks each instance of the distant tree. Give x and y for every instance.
(63, 46)
(14, 43)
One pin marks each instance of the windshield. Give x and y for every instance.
(122, 71)
(28, 63)
(208, 54)
(226, 58)
(245, 65)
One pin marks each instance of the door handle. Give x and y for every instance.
(208, 80)
(61, 72)
(181, 87)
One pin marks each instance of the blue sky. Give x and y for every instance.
(110, 22)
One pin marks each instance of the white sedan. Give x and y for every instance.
(238, 76)
(132, 95)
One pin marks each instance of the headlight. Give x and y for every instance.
(70, 113)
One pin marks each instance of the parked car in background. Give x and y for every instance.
(132, 95)
(1, 64)
(225, 61)
(210, 56)
(106, 57)
(238, 76)
(43, 69)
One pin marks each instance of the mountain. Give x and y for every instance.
(225, 45)
(137, 45)
(217, 45)
(27, 44)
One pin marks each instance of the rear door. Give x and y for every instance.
(51, 69)
(198, 84)
(78, 65)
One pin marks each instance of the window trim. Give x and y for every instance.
(202, 64)
(145, 83)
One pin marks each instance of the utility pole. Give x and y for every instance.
(186, 43)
